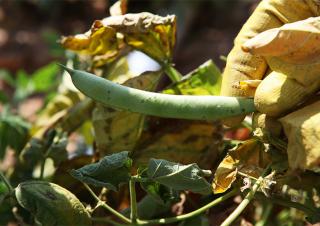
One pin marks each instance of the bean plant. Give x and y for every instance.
(146, 166)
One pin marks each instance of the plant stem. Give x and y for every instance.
(43, 163)
(173, 74)
(6, 182)
(133, 201)
(188, 215)
(106, 206)
(246, 175)
(234, 215)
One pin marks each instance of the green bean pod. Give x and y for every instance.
(156, 104)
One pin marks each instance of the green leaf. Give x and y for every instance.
(13, 133)
(179, 177)
(205, 80)
(109, 172)
(51, 204)
(22, 79)
(160, 193)
(45, 77)
(148, 208)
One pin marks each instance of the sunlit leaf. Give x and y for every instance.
(179, 177)
(100, 41)
(45, 77)
(110, 172)
(248, 158)
(42, 80)
(151, 34)
(205, 80)
(51, 204)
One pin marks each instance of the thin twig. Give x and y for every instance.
(188, 215)
(43, 163)
(106, 206)
(234, 215)
(173, 74)
(133, 201)
(6, 182)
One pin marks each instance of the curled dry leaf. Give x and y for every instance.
(100, 41)
(51, 204)
(151, 34)
(248, 158)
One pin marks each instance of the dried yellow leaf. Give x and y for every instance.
(151, 34)
(248, 157)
